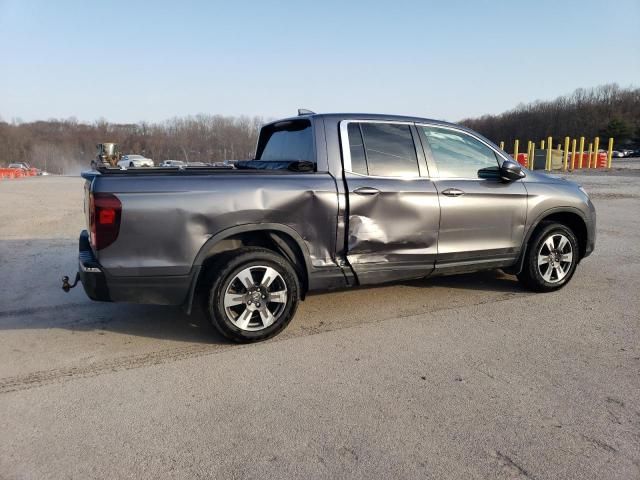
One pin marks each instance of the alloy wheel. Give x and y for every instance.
(255, 298)
(555, 258)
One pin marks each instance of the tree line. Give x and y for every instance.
(68, 146)
(604, 111)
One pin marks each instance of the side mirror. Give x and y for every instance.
(511, 171)
(489, 173)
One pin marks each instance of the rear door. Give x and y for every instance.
(482, 220)
(393, 210)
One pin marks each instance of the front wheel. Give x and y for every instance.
(254, 295)
(551, 259)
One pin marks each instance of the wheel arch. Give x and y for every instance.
(277, 237)
(568, 216)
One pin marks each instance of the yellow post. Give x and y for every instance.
(516, 147)
(596, 151)
(581, 150)
(529, 142)
(573, 154)
(502, 145)
(610, 153)
(549, 147)
(532, 158)
(566, 153)
(541, 144)
(559, 147)
(589, 156)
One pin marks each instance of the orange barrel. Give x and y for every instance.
(584, 160)
(574, 160)
(602, 161)
(522, 159)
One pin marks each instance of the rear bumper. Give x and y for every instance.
(103, 286)
(92, 277)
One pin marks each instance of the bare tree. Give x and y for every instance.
(68, 145)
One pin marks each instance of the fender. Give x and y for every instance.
(207, 248)
(517, 267)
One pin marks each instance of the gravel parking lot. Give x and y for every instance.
(458, 377)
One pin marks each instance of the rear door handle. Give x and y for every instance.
(452, 192)
(366, 191)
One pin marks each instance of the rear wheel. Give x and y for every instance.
(253, 295)
(551, 258)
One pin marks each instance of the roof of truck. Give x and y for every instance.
(365, 116)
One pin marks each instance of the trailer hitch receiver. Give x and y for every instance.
(65, 282)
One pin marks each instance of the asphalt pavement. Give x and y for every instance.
(458, 377)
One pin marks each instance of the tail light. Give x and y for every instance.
(104, 219)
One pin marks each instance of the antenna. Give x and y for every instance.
(304, 111)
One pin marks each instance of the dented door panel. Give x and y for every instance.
(392, 234)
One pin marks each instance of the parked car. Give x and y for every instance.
(26, 168)
(330, 202)
(131, 161)
(21, 166)
(617, 154)
(627, 152)
(173, 163)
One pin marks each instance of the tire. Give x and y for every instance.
(244, 314)
(551, 258)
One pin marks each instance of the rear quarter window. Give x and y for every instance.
(290, 140)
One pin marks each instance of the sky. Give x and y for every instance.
(131, 61)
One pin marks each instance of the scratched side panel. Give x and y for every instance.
(167, 219)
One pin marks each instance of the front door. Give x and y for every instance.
(482, 221)
(393, 210)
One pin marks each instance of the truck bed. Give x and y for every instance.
(169, 215)
(245, 166)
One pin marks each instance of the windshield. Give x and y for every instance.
(286, 141)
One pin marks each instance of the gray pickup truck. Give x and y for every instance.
(330, 201)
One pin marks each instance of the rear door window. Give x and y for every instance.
(387, 148)
(356, 147)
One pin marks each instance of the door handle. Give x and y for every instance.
(452, 192)
(366, 191)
